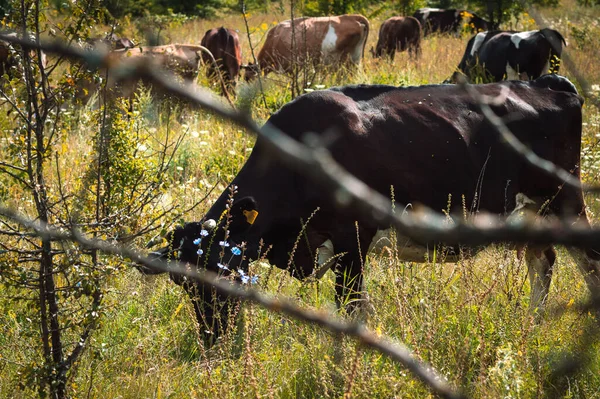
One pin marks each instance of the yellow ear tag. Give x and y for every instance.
(250, 216)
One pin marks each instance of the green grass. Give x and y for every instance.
(470, 320)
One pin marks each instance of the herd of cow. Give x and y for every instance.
(491, 54)
(322, 41)
(430, 143)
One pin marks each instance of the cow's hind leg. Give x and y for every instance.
(588, 262)
(540, 262)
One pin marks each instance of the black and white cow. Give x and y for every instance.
(449, 20)
(427, 143)
(510, 55)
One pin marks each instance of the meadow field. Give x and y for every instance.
(470, 320)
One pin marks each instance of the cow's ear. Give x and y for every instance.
(243, 214)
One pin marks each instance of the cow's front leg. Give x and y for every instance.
(349, 268)
(348, 283)
(214, 312)
(589, 265)
(539, 264)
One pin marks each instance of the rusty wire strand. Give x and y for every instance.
(315, 162)
(393, 350)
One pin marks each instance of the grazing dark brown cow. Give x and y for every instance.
(449, 21)
(399, 34)
(427, 143)
(499, 55)
(322, 40)
(224, 45)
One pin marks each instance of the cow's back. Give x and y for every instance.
(398, 33)
(224, 45)
(380, 137)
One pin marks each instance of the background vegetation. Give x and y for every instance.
(129, 175)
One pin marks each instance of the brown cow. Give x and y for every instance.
(224, 45)
(181, 59)
(322, 40)
(399, 33)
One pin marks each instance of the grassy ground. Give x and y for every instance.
(470, 319)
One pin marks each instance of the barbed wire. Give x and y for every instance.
(395, 351)
(313, 160)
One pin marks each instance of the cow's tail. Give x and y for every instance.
(218, 72)
(555, 38)
(366, 28)
(561, 38)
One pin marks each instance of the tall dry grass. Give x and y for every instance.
(469, 319)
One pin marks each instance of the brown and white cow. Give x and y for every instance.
(224, 45)
(322, 41)
(183, 60)
(399, 34)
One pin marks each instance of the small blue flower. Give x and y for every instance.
(203, 233)
(200, 252)
(254, 280)
(236, 251)
(197, 241)
(241, 272)
(222, 266)
(223, 243)
(245, 279)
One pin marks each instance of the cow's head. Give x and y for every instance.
(207, 243)
(216, 245)
(251, 71)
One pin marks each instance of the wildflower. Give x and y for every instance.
(245, 279)
(254, 280)
(236, 251)
(197, 241)
(241, 272)
(222, 266)
(200, 252)
(203, 233)
(223, 243)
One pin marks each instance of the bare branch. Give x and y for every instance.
(315, 162)
(515, 145)
(394, 351)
